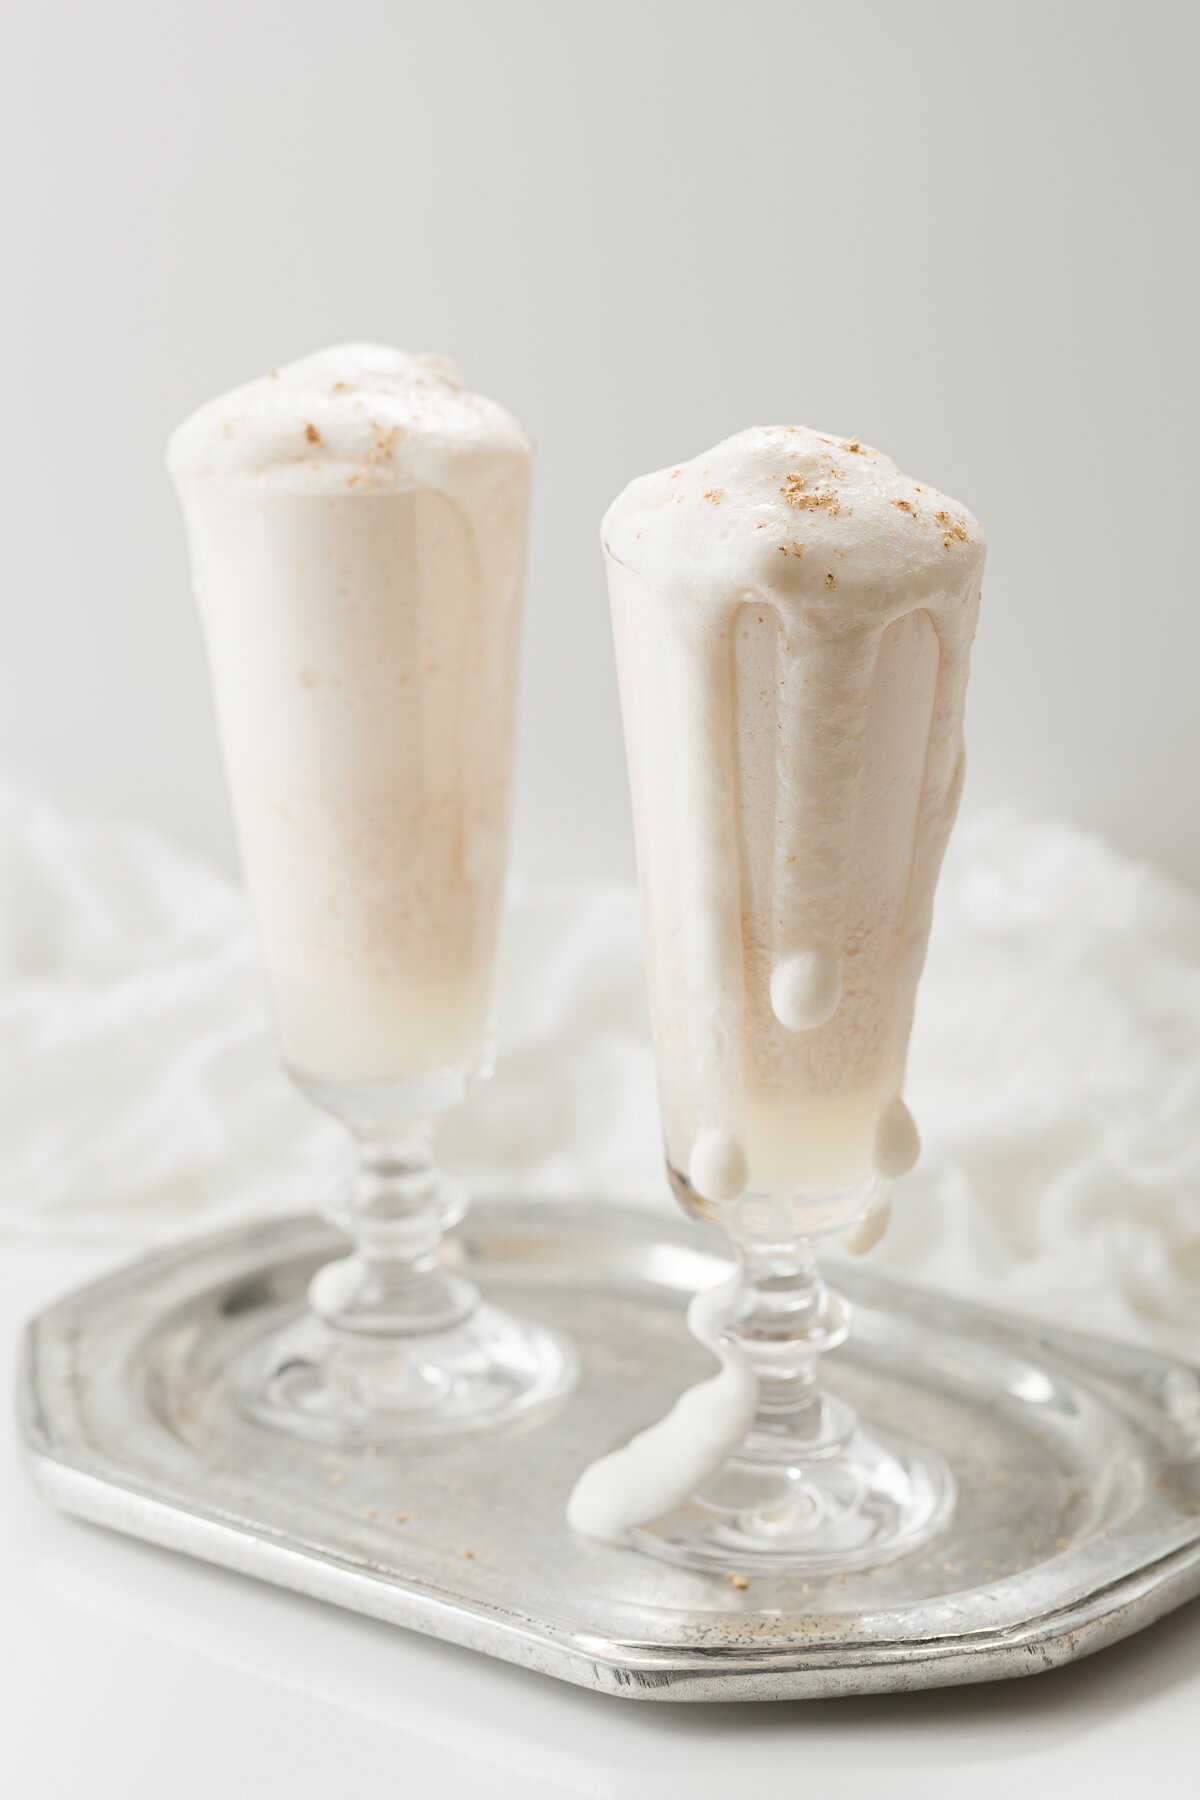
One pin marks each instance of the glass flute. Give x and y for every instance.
(786, 1137)
(363, 652)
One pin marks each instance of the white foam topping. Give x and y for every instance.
(788, 511)
(352, 418)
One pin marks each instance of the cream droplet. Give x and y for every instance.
(335, 1284)
(806, 989)
(665, 1463)
(897, 1143)
(717, 1167)
(866, 1234)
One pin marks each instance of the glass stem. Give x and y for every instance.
(395, 1208)
(785, 1318)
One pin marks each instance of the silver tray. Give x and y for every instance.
(1077, 1461)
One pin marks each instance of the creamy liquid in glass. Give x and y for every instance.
(357, 529)
(793, 619)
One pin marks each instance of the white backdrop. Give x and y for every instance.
(964, 232)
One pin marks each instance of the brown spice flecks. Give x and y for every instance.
(714, 494)
(312, 434)
(340, 387)
(830, 579)
(761, 526)
(336, 1480)
(399, 1518)
(954, 528)
(853, 445)
(385, 443)
(675, 474)
(904, 505)
(737, 1581)
(370, 1512)
(783, 549)
(469, 1554)
(794, 491)
(797, 549)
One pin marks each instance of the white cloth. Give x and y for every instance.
(1055, 1069)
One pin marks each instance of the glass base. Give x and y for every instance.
(395, 1347)
(878, 1497)
(352, 1388)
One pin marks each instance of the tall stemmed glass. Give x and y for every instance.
(794, 748)
(356, 525)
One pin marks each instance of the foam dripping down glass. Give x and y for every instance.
(792, 620)
(356, 523)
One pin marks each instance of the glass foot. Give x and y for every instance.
(877, 1498)
(353, 1388)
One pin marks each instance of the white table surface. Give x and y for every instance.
(136, 1673)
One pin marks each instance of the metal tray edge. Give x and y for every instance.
(1104, 1618)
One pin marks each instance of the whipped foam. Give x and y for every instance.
(355, 416)
(356, 523)
(786, 512)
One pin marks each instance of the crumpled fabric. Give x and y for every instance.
(1055, 1066)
